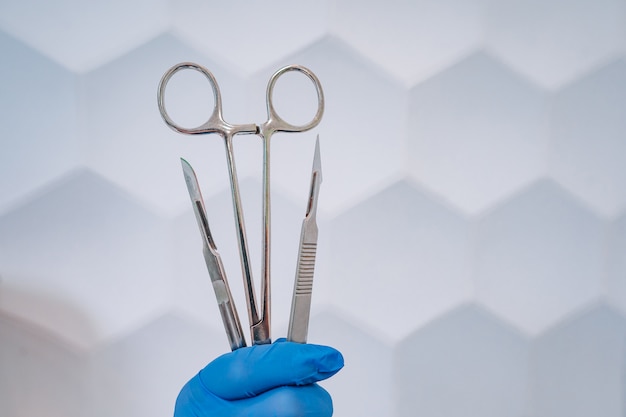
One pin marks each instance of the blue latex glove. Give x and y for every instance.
(276, 380)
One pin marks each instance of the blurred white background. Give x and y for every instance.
(472, 216)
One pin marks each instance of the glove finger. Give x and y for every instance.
(250, 371)
(303, 401)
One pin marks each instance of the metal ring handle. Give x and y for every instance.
(275, 122)
(215, 123)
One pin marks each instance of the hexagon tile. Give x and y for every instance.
(577, 369)
(250, 35)
(71, 253)
(554, 42)
(400, 35)
(39, 130)
(41, 375)
(424, 275)
(474, 119)
(82, 35)
(472, 216)
(539, 257)
(588, 144)
(464, 363)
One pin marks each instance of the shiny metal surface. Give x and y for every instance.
(217, 124)
(259, 312)
(225, 302)
(275, 123)
(303, 286)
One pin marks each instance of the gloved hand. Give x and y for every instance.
(276, 380)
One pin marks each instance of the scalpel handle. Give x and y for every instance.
(225, 303)
(303, 287)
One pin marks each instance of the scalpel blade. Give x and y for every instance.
(214, 264)
(303, 287)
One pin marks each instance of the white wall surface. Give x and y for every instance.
(472, 216)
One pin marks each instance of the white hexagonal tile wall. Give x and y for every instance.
(83, 260)
(82, 35)
(411, 40)
(105, 305)
(250, 35)
(154, 362)
(400, 254)
(367, 366)
(478, 132)
(40, 375)
(464, 363)
(577, 368)
(38, 132)
(555, 41)
(539, 257)
(588, 147)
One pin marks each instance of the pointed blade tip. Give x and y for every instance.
(317, 161)
(191, 180)
(186, 166)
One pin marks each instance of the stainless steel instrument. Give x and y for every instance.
(303, 286)
(258, 311)
(225, 302)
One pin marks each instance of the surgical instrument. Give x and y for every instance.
(258, 312)
(214, 264)
(303, 286)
